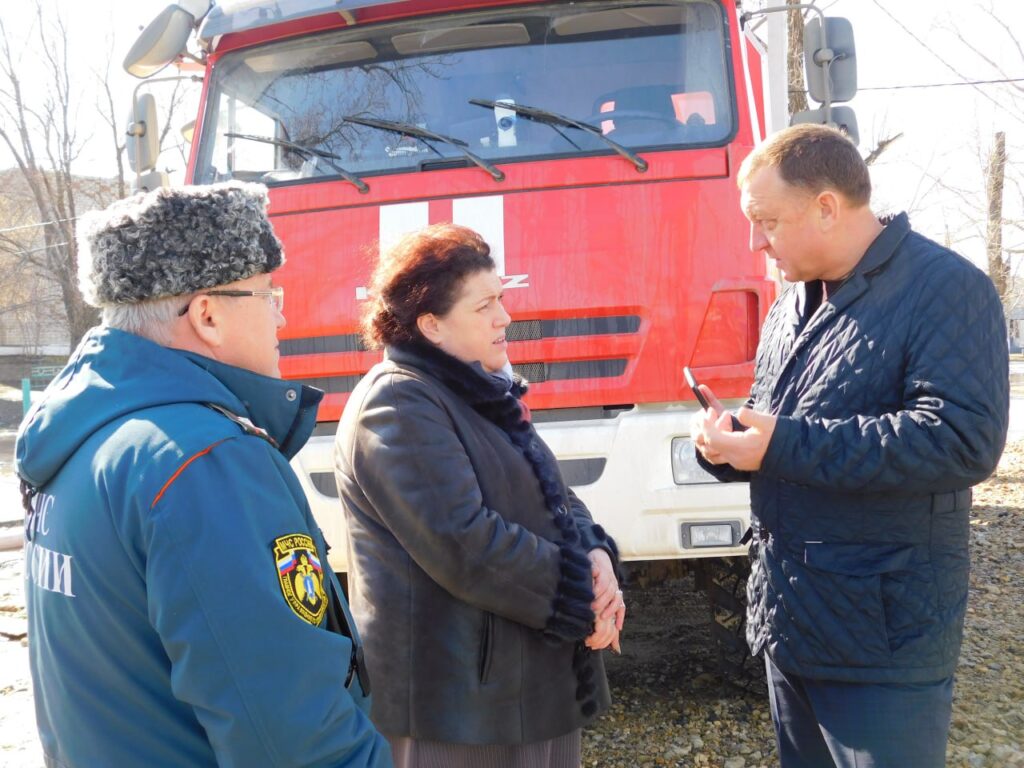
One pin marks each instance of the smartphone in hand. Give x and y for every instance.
(737, 425)
(692, 381)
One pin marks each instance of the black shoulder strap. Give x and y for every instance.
(337, 621)
(247, 426)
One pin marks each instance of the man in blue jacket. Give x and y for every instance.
(881, 395)
(181, 608)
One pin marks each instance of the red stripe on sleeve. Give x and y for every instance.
(182, 469)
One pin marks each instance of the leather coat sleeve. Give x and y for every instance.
(592, 535)
(408, 461)
(951, 429)
(267, 687)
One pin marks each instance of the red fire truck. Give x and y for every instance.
(595, 146)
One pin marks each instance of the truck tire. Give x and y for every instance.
(726, 585)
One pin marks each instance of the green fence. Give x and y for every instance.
(39, 377)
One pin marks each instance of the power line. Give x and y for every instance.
(40, 224)
(945, 63)
(940, 85)
(929, 85)
(34, 250)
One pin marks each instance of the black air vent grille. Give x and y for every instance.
(332, 385)
(575, 472)
(325, 483)
(322, 345)
(533, 330)
(581, 471)
(536, 373)
(582, 369)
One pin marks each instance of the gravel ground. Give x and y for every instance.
(670, 707)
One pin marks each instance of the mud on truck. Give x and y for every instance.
(593, 144)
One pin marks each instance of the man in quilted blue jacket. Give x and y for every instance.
(880, 397)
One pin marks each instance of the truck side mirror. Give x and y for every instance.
(842, 118)
(837, 61)
(164, 38)
(143, 142)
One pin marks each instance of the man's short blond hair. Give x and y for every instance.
(812, 158)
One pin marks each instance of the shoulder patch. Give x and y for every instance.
(301, 576)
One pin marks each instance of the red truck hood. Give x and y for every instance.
(612, 276)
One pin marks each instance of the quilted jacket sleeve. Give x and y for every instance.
(724, 473)
(952, 426)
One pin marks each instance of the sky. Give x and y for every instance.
(934, 170)
(97, 30)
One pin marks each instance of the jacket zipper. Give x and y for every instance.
(486, 647)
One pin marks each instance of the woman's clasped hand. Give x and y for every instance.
(609, 606)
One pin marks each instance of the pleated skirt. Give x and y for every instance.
(559, 752)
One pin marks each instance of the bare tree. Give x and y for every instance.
(38, 252)
(40, 134)
(880, 147)
(108, 111)
(1002, 178)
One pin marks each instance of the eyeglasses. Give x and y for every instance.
(275, 295)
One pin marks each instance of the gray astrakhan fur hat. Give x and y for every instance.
(173, 242)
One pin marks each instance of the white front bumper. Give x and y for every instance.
(635, 498)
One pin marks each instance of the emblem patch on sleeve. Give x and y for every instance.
(301, 576)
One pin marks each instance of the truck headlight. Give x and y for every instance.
(685, 469)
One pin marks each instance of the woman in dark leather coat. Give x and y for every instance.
(482, 587)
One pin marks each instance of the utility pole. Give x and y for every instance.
(995, 173)
(795, 59)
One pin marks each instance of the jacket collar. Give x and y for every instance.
(286, 410)
(113, 374)
(467, 380)
(884, 246)
(875, 259)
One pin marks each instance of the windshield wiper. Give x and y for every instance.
(557, 121)
(427, 137)
(310, 151)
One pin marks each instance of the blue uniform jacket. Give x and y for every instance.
(177, 584)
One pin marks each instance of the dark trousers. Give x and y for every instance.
(828, 724)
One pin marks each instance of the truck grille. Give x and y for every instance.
(322, 345)
(582, 369)
(519, 330)
(333, 385)
(532, 330)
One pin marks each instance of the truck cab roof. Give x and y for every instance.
(232, 16)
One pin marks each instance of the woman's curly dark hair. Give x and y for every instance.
(420, 275)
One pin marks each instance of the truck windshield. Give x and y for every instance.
(650, 76)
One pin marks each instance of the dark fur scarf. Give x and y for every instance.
(571, 618)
